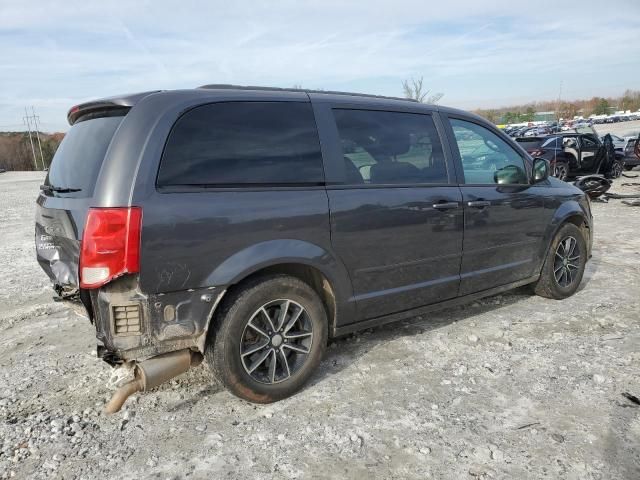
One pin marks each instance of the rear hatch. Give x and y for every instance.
(66, 195)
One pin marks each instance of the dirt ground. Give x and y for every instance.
(512, 387)
(621, 129)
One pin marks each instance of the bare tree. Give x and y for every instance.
(415, 90)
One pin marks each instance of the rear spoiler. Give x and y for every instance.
(105, 106)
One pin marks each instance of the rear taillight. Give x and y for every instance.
(110, 245)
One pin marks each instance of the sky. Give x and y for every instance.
(55, 54)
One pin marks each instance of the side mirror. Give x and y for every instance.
(541, 170)
(510, 175)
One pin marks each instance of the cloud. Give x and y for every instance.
(62, 53)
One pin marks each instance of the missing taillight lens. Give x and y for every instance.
(110, 245)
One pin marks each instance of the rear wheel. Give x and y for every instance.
(561, 171)
(269, 338)
(564, 265)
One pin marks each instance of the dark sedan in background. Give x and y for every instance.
(571, 154)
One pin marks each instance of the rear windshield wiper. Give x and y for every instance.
(49, 188)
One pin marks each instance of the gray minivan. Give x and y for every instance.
(249, 225)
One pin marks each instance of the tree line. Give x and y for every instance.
(16, 153)
(630, 100)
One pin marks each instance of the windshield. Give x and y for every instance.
(77, 161)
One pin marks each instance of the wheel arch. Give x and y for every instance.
(568, 212)
(312, 264)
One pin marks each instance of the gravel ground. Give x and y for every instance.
(621, 128)
(514, 386)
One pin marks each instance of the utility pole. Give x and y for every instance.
(558, 103)
(33, 150)
(35, 121)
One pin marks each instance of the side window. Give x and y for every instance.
(570, 143)
(551, 143)
(588, 142)
(382, 148)
(243, 144)
(487, 158)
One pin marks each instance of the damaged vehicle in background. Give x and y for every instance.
(249, 225)
(575, 154)
(546, 147)
(632, 154)
(620, 144)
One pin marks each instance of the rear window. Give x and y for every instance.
(79, 157)
(243, 144)
(529, 143)
(552, 143)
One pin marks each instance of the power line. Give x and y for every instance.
(36, 119)
(32, 120)
(27, 121)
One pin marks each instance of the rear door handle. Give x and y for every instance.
(446, 205)
(479, 204)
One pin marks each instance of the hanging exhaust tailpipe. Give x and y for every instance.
(153, 372)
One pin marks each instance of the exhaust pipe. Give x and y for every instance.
(153, 372)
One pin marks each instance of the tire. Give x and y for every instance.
(561, 171)
(233, 351)
(616, 170)
(549, 285)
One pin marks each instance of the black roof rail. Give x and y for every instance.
(226, 86)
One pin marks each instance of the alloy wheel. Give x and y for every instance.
(276, 341)
(561, 172)
(566, 262)
(617, 170)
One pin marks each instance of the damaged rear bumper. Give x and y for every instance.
(132, 326)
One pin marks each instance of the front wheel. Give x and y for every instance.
(564, 265)
(616, 170)
(269, 337)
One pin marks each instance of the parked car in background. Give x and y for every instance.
(547, 148)
(619, 143)
(632, 153)
(537, 131)
(573, 154)
(248, 225)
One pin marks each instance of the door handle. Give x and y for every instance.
(479, 204)
(446, 205)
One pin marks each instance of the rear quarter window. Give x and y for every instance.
(79, 157)
(529, 143)
(243, 144)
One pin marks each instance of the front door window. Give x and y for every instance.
(486, 158)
